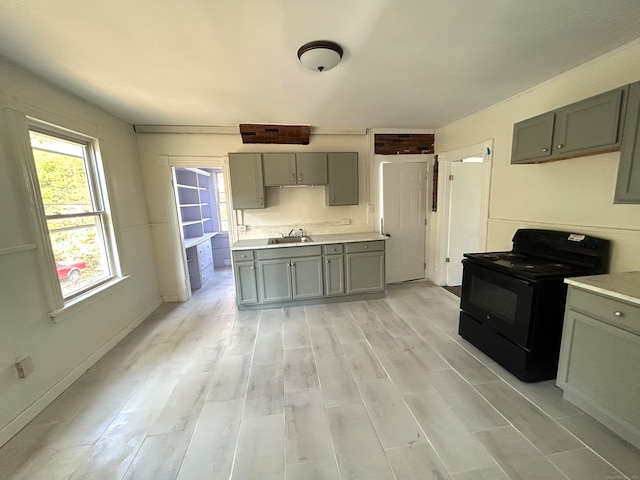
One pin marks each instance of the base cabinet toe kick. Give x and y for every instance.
(302, 275)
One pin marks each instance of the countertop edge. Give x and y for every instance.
(261, 243)
(609, 285)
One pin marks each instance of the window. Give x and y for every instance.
(75, 208)
(222, 202)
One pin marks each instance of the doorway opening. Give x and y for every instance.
(464, 179)
(203, 218)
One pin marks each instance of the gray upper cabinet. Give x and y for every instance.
(342, 188)
(583, 128)
(247, 184)
(628, 184)
(295, 168)
(532, 138)
(591, 123)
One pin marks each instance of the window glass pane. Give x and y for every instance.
(79, 255)
(222, 202)
(62, 175)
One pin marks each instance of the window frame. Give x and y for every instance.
(101, 209)
(219, 174)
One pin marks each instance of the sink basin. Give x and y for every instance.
(275, 241)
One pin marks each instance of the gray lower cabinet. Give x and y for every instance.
(334, 275)
(628, 183)
(290, 279)
(275, 280)
(292, 273)
(247, 183)
(599, 358)
(342, 185)
(246, 289)
(583, 128)
(281, 275)
(365, 267)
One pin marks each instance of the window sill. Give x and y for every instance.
(79, 303)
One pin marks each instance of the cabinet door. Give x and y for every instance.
(342, 188)
(532, 139)
(246, 288)
(311, 168)
(365, 272)
(279, 169)
(247, 185)
(591, 123)
(334, 275)
(306, 277)
(274, 281)
(628, 184)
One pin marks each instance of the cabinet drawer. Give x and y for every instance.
(611, 311)
(289, 252)
(375, 246)
(242, 255)
(204, 248)
(332, 249)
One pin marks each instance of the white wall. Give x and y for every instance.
(575, 194)
(287, 207)
(61, 352)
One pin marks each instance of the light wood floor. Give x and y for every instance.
(381, 389)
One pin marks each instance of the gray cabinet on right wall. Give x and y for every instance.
(628, 184)
(583, 128)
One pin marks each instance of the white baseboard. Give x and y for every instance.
(170, 298)
(29, 413)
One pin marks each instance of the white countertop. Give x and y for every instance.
(260, 243)
(623, 286)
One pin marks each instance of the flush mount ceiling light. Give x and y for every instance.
(321, 55)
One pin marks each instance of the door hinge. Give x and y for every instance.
(451, 177)
(447, 260)
(425, 221)
(424, 265)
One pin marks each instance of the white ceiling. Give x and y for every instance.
(407, 63)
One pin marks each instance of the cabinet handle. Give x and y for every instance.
(545, 149)
(328, 261)
(618, 314)
(366, 246)
(300, 178)
(333, 198)
(293, 178)
(253, 268)
(244, 256)
(560, 146)
(261, 201)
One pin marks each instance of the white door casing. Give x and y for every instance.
(465, 215)
(404, 200)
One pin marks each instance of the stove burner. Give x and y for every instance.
(511, 255)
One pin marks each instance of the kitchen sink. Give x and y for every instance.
(279, 240)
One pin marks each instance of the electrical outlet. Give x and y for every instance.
(24, 367)
(242, 228)
(346, 221)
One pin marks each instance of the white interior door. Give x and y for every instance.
(404, 192)
(465, 215)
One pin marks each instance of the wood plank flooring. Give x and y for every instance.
(377, 390)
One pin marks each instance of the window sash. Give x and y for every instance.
(103, 241)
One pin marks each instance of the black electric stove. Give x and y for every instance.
(512, 303)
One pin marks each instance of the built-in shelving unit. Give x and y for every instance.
(194, 191)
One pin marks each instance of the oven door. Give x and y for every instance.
(501, 302)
